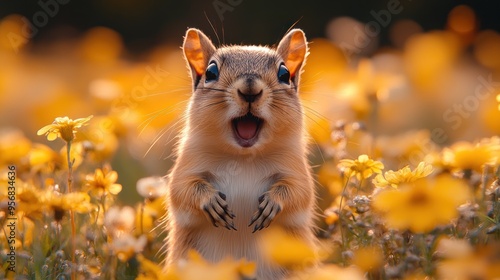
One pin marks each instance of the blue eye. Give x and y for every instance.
(283, 74)
(212, 72)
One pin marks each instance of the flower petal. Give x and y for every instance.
(52, 135)
(115, 189)
(363, 158)
(62, 120)
(44, 129)
(112, 176)
(83, 120)
(98, 175)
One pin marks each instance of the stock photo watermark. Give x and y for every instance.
(223, 6)
(151, 81)
(464, 109)
(11, 224)
(455, 115)
(48, 9)
(364, 36)
(123, 105)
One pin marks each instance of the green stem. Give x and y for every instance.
(103, 202)
(343, 237)
(71, 213)
(484, 179)
(342, 193)
(70, 165)
(425, 253)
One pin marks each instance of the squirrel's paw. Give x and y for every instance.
(217, 211)
(268, 209)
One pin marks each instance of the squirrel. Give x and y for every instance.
(241, 160)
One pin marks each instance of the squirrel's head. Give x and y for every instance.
(245, 96)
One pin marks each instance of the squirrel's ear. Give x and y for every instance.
(197, 49)
(293, 49)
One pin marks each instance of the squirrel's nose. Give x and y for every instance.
(250, 96)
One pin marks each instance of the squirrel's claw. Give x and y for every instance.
(217, 211)
(268, 209)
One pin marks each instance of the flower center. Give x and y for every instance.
(67, 133)
(419, 199)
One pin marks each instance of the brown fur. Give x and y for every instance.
(209, 159)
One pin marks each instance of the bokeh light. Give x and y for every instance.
(462, 21)
(402, 30)
(486, 48)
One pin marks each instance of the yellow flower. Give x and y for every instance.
(368, 258)
(103, 182)
(43, 159)
(28, 198)
(287, 250)
(329, 177)
(494, 144)
(13, 146)
(63, 127)
(363, 167)
(330, 272)
(404, 175)
(331, 216)
(196, 267)
(59, 203)
(102, 148)
(78, 202)
(327, 173)
(148, 213)
(422, 205)
(246, 269)
(468, 156)
(152, 271)
(498, 99)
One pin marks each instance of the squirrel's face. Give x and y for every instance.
(245, 96)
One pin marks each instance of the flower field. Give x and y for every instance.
(404, 141)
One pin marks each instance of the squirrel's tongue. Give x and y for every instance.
(246, 128)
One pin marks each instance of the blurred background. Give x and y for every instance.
(143, 25)
(411, 74)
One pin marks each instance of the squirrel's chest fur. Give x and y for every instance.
(242, 181)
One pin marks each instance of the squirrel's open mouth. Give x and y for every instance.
(246, 129)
